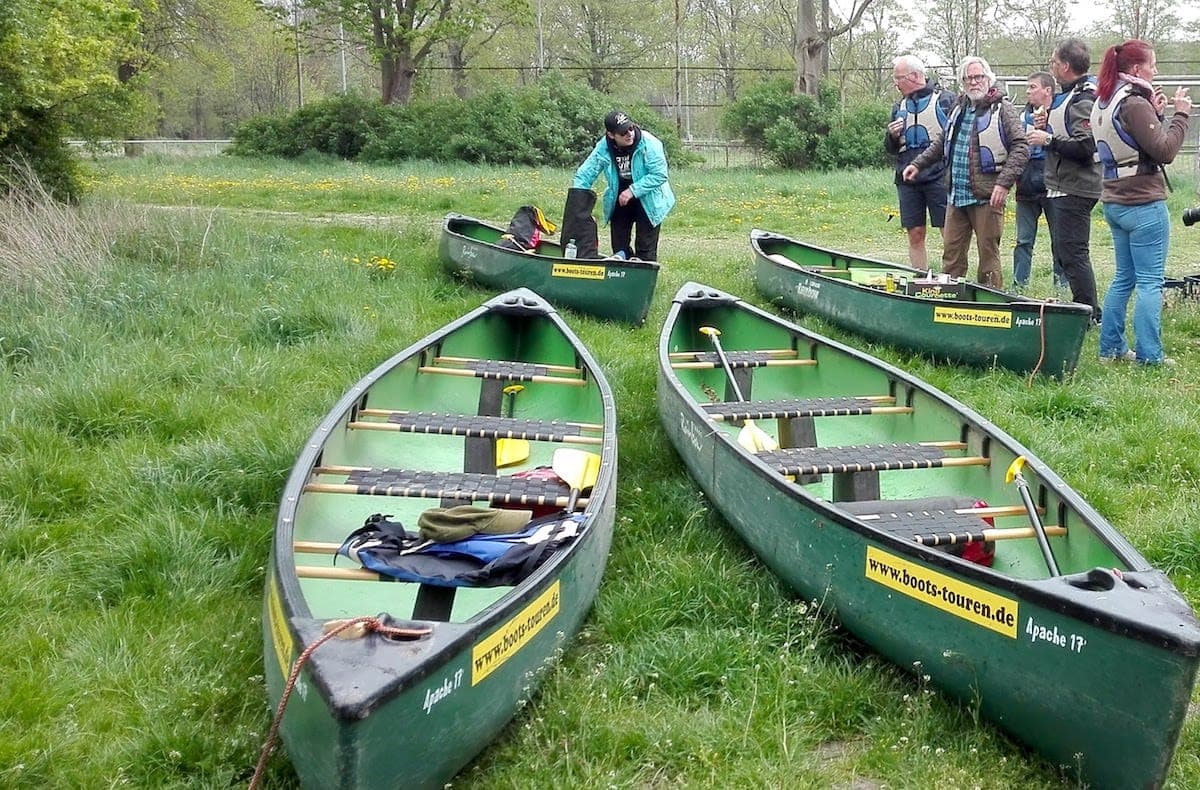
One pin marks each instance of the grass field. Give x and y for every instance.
(166, 348)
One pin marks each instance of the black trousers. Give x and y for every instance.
(1070, 241)
(621, 226)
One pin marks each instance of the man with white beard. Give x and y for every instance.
(984, 151)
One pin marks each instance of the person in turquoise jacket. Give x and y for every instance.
(638, 196)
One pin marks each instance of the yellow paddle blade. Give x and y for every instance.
(710, 331)
(574, 467)
(1014, 469)
(511, 451)
(755, 439)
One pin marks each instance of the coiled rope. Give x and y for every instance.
(355, 628)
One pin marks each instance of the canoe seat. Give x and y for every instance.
(460, 486)
(740, 359)
(813, 407)
(911, 518)
(866, 458)
(484, 427)
(501, 370)
(856, 468)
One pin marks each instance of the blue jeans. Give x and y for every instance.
(1028, 211)
(1141, 235)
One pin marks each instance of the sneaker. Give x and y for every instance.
(1165, 362)
(1128, 356)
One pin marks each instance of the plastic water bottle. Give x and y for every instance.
(570, 250)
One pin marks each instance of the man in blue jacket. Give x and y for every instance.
(638, 196)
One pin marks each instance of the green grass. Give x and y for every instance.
(153, 401)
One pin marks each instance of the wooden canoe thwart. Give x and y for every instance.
(609, 288)
(437, 428)
(959, 321)
(906, 513)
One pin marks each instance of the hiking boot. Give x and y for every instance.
(1128, 356)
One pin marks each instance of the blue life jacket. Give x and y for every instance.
(482, 560)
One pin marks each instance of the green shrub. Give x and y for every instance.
(805, 133)
(855, 141)
(338, 126)
(36, 144)
(553, 123)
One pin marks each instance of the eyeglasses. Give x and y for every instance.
(902, 77)
(975, 78)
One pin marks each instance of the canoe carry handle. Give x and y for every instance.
(1014, 475)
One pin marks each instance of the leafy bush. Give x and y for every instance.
(339, 126)
(855, 141)
(36, 144)
(805, 133)
(553, 123)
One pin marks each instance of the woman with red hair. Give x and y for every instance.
(1133, 144)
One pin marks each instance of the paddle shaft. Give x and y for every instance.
(716, 341)
(1038, 528)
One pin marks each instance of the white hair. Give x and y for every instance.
(970, 59)
(911, 63)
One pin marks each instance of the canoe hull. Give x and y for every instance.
(996, 330)
(614, 290)
(378, 712)
(1065, 668)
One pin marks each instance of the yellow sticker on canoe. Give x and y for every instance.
(997, 319)
(281, 637)
(487, 656)
(947, 593)
(577, 271)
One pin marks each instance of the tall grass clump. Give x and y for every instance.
(46, 244)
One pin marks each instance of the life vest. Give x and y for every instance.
(922, 116)
(993, 139)
(482, 560)
(1056, 120)
(1116, 149)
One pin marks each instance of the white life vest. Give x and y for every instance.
(1116, 149)
(922, 117)
(993, 140)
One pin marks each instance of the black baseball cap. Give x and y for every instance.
(618, 122)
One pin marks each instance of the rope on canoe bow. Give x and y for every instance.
(354, 628)
(1042, 352)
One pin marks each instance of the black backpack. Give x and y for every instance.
(525, 230)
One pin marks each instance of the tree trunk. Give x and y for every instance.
(397, 78)
(808, 48)
(458, 68)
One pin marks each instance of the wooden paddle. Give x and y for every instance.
(578, 469)
(751, 437)
(511, 451)
(1014, 473)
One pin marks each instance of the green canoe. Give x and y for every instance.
(610, 288)
(956, 321)
(411, 708)
(1092, 665)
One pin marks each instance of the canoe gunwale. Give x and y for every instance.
(1051, 593)
(448, 639)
